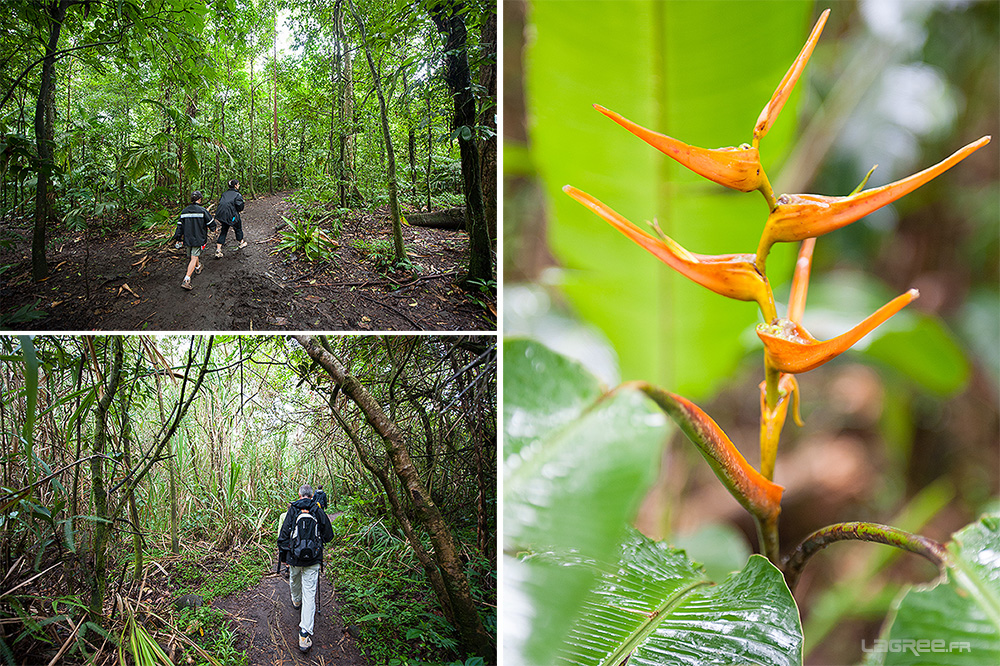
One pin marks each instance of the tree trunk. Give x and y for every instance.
(102, 529)
(130, 494)
(253, 142)
(273, 145)
(449, 19)
(397, 229)
(487, 118)
(430, 567)
(430, 148)
(44, 137)
(467, 619)
(172, 471)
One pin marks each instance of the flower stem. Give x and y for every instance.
(765, 189)
(767, 537)
(859, 531)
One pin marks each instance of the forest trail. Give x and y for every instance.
(113, 283)
(267, 626)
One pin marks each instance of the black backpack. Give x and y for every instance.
(321, 498)
(306, 544)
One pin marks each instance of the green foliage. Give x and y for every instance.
(579, 461)
(307, 239)
(700, 76)
(576, 465)
(152, 219)
(395, 611)
(210, 629)
(25, 313)
(379, 250)
(655, 605)
(955, 621)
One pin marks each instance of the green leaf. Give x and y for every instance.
(658, 607)
(955, 622)
(700, 72)
(718, 547)
(575, 482)
(542, 391)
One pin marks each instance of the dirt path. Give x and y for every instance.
(268, 625)
(112, 283)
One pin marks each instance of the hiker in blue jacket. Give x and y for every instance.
(228, 215)
(192, 229)
(300, 543)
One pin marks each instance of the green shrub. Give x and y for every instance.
(308, 239)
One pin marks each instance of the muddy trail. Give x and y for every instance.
(266, 626)
(131, 281)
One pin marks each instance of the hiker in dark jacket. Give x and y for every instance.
(321, 497)
(193, 229)
(228, 215)
(303, 570)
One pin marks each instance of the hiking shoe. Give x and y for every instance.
(296, 605)
(243, 244)
(305, 642)
(199, 269)
(187, 284)
(218, 254)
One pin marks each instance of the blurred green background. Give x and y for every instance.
(903, 428)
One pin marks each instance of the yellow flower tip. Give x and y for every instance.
(736, 168)
(800, 216)
(773, 107)
(730, 275)
(790, 348)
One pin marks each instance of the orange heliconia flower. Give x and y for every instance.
(738, 168)
(731, 275)
(800, 216)
(771, 110)
(758, 495)
(790, 348)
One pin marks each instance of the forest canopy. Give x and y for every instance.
(125, 456)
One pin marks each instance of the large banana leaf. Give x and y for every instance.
(657, 606)
(956, 622)
(698, 71)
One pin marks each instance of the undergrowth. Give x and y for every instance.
(383, 591)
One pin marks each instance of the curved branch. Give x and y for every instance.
(929, 549)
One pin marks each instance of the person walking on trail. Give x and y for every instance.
(300, 543)
(228, 215)
(192, 229)
(321, 497)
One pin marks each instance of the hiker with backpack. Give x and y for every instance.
(228, 215)
(300, 543)
(321, 497)
(192, 230)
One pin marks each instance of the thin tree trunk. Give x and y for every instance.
(397, 228)
(130, 494)
(430, 148)
(467, 619)
(102, 529)
(44, 137)
(172, 471)
(487, 118)
(273, 146)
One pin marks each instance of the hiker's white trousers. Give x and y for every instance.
(303, 581)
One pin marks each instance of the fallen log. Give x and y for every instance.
(450, 218)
